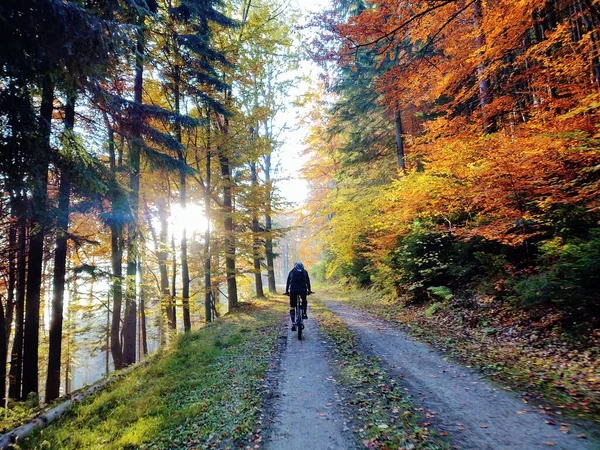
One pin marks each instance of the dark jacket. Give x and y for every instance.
(298, 283)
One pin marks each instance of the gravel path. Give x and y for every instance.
(305, 411)
(475, 413)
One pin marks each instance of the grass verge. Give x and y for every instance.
(17, 414)
(380, 414)
(204, 391)
(563, 376)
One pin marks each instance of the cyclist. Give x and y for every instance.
(298, 285)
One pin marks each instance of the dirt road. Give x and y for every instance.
(305, 412)
(475, 413)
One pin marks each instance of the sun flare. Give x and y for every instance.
(191, 219)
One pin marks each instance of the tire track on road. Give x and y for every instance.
(475, 413)
(305, 414)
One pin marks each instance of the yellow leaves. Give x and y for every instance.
(486, 187)
(501, 185)
(588, 104)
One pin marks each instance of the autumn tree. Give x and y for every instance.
(111, 113)
(188, 59)
(495, 100)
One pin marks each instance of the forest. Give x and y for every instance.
(455, 151)
(452, 163)
(137, 175)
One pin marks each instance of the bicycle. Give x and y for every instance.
(299, 321)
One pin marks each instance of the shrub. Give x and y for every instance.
(319, 270)
(422, 259)
(426, 259)
(441, 292)
(433, 309)
(569, 277)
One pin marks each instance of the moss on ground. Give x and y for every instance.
(204, 391)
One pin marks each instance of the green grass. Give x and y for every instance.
(382, 417)
(17, 414)
(205, 389)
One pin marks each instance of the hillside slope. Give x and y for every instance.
(204, 390)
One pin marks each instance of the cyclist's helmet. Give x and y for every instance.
(299, 266)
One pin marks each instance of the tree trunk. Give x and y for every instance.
(162, 255)
(6, 319)
(215, 270)
(399, 131)
(208, 293)
(130, 321)
(116, 348)
(185, 275)
(60, 266)
(36, 245)
(591, 27)
(270, 255)
(116, 248)
(3, 350)
(173, 282)
(107, 339)
(144, 337)
(16, 357)
(229, 233)
(485, 93)
(12, 276)
(73, 300)
(256, 237)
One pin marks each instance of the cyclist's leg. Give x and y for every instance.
(293, 304)
(304, 306)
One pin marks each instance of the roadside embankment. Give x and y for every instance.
(205, 391)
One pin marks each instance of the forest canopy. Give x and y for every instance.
(455, 150)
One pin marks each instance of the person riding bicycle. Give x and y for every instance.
(298, 285)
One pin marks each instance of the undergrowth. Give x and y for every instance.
(383, 418)
(17, 414)
(203, 392)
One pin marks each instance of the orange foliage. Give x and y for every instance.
(504, 98)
